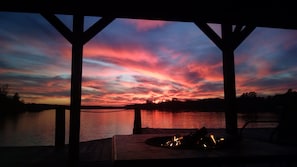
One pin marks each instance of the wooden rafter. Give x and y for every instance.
(240, 36)
(96, 28)
(59, 25)
(210, 33)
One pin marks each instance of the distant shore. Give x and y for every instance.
(248, 102)
(40, 107)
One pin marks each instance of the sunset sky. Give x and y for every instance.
(132, 61)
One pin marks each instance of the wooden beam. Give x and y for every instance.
(212, 35)
(60, 127)
(228, 43)
(229, 80)
(240, 36)
(275, 14)
(77, 38)
(237, 29)
(137, 121)
(76, 82)
(59, 25)
(96, 28)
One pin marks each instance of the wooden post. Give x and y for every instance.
(78, 37)
(137, 121)
(76, 81)
(60, 127)
(229, 80)
(228, 43)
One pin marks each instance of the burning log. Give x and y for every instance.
(199, 139)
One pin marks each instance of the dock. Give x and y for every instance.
(96, 152)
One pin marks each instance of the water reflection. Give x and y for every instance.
(28, 128)
(105, 123)
(37, 128)
(162, 119)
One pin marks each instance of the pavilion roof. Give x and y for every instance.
(276, 14)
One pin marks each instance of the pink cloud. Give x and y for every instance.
(145, 25)
(132, 53)
(206, 71)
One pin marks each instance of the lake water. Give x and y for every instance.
(38, 128)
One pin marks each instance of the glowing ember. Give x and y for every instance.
(201, 139)
(175, 142)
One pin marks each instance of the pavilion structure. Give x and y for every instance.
(237, 21)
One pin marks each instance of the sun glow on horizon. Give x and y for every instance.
(132, 61)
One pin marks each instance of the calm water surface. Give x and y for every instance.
(30, 129)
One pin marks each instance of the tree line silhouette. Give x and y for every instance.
(13, 104)
(247, 102)
(10, 104)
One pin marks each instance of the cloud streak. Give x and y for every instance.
(132, 61)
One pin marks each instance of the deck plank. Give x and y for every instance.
(92, 153)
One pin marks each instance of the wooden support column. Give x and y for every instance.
(78, 37)
(76, 82)
(229, 41)
(60, 127)
(229, 80)
(137, 121)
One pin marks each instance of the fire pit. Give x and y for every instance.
(200, 139)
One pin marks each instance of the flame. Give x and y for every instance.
(203, 141)
(213, 139)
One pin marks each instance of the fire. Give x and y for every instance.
(200, 139)
(174, 142)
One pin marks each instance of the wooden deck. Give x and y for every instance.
(92, 153)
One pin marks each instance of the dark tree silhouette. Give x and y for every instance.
(10, 104)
